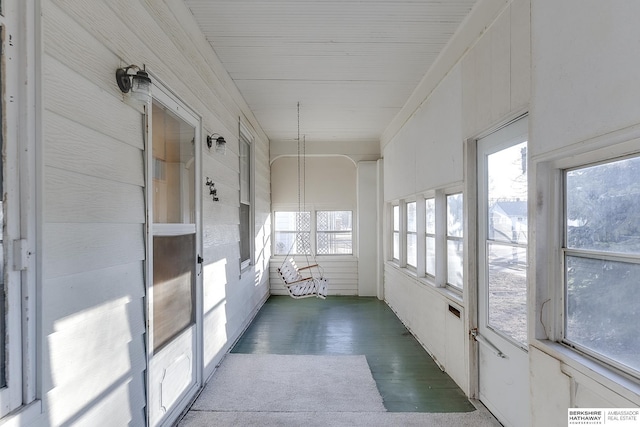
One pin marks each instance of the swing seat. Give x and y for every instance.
(300, 286)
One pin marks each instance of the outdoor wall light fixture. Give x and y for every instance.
(219, 140)
(136, 80)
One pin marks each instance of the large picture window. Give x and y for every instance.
(602, 261)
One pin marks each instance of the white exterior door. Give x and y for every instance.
(173, 248)
(503, 360)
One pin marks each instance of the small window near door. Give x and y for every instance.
(602, 261)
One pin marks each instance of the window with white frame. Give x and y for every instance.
(430, 237)
(396, 232)
(601, 259)
(292, 233)
(412, 235)
(334, 233)
(455, 240)
(245, 201)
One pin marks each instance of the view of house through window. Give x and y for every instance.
(602, 261)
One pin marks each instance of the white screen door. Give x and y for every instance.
(174, 281)
(503, 362)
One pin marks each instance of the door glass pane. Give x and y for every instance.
(507, 198)
(508, 291)
(173, 286)
(173, 168)
(506, 242)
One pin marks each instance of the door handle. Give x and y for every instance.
(488, 344)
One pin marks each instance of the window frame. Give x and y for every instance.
(396, 226)
(318, 232)
(408, 233)
(245, 137)
(294, 232)
(430, 235)
(582, 253)
(547, 284)
(450, 238)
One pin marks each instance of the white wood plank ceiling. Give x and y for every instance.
(351, 64)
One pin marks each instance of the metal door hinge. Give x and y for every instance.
(20, 255)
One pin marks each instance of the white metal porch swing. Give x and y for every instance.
(309, 280)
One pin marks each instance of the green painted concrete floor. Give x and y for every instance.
(406, 376)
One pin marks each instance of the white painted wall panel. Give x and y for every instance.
(585, 80)
(329, 181)
(439, 150)
(425, 312)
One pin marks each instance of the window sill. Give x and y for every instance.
(577, 365)
(24, 416)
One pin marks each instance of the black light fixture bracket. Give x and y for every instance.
(219, 140)
(126, 75)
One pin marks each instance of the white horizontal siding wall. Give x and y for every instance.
(93, 252)
(482, 88)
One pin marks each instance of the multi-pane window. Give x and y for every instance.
(334, 235)
(396, 232)
(602, 261)
(455, 240)
(412, 236)
(292, 233)
(430, 237)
